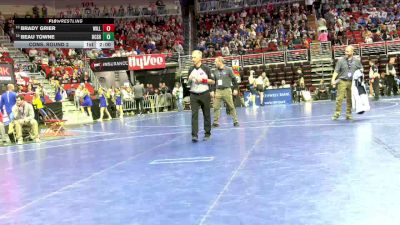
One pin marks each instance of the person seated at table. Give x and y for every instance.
(322, 90)
(284, 85)
(24, 116)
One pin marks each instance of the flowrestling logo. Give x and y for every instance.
(146, 62)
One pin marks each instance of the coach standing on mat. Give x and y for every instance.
(344, 70)
(200, 79)
(225, 79)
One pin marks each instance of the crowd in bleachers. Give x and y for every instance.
(355, 21)
(91, 10)
(274, 27)
(156, 34)
(259, 29)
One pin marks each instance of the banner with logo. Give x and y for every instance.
(147, 62)
(271, 97)
(109, 64)
(7, 73)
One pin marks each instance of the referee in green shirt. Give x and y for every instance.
(344, 71)
(224, 80)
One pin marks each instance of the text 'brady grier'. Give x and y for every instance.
(35, 28)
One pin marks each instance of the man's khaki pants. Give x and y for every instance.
(226, 96)
(32, 123)
(344, 89)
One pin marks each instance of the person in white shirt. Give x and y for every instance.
(177, 92)
(284, 85)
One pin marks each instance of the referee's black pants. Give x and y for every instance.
(202, 100)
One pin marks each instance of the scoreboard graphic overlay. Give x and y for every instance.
(64, 33)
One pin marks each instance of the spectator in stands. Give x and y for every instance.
(160, 3)
(66, 79)
(368, 37)
(86, 78)
(24, 115)
(44, 11)
(35, 11)
(75, 79)
(8, 99)
(323, 36)
(30, 89)
(2, 23)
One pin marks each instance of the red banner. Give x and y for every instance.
(6, 73)
(146, 62)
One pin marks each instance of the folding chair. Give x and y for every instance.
(54, 125)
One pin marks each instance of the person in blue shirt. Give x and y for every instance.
(8, 99)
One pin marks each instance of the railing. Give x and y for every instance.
(376, 48)
(153, 102)
(393, 47)
(325, 51)
(222, 5)
(138, 12)
(93, 78)
(172, 57)
(299, 55)
(275, 57)
(338, 51)
(320, 51)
